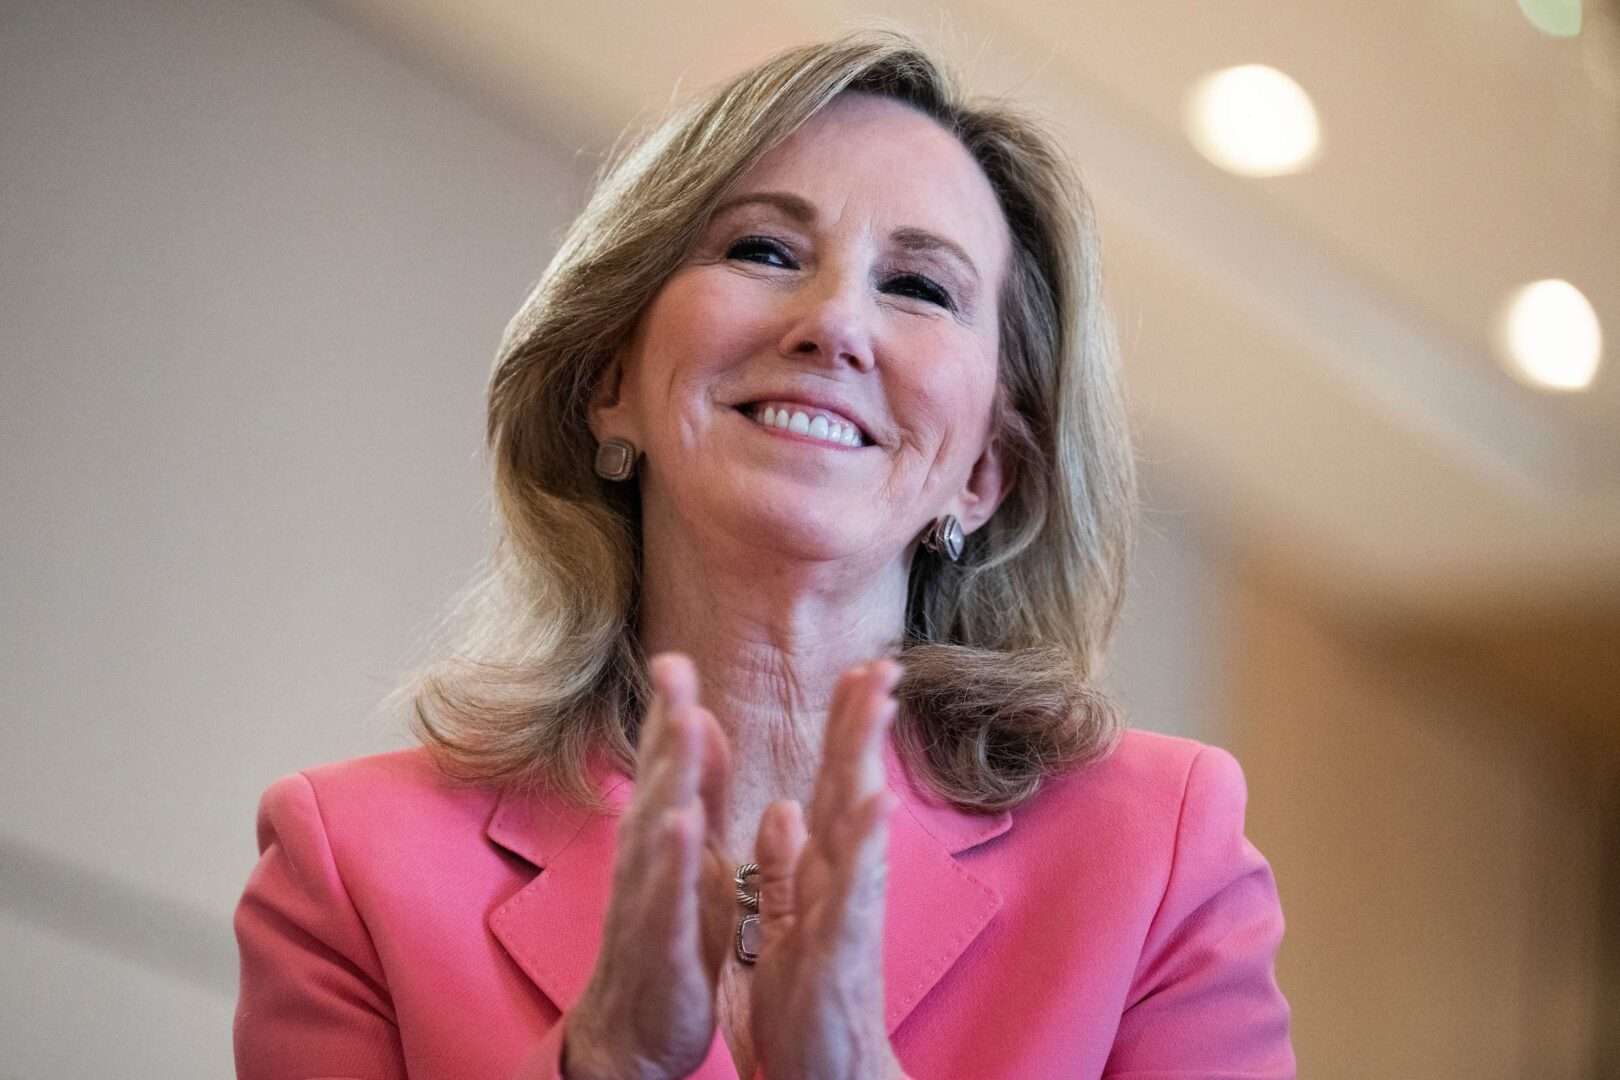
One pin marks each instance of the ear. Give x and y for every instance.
(609, 414)
(987, 484)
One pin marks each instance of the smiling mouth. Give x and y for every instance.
(816, 424)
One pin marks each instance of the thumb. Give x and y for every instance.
(781, 838)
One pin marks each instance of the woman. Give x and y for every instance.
(817, 408)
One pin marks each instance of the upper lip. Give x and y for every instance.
(818, 402)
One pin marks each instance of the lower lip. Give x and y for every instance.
(784, 433)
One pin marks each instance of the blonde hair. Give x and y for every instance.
(545, 671)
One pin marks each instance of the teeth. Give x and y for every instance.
(802, 423)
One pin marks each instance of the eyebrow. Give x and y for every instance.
(803, 213)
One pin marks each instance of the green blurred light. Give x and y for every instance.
(1560, 18)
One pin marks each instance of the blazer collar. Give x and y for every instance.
(552, 927)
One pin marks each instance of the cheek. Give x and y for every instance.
(949, 397)
(687, 320)
(696, 327)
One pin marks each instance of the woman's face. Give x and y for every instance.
(820, 372)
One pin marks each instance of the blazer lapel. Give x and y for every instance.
(552, 927)
(935, 907)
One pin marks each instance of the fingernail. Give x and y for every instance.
(658, 668)
(662, 668)
(892, 671)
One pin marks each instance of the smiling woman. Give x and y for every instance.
(817, 408)
(1040, 584)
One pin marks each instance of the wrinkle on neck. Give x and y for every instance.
(770, 634)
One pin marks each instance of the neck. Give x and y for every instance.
(770, 636)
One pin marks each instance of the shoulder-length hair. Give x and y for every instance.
(545, 675)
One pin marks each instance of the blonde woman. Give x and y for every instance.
(769, 747)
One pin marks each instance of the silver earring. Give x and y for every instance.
(945, 537)
(615, 459)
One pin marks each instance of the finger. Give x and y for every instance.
(717, 886)
(676, 675)
(861, 837)
(860, 872)
(685, 726)
(780, 841)
(670, 779)
(873, 725)
(852, 761)
(717, 907)
(666, 795)
(664, 683)
(714, 779)
(670, 907)
(824, 798)
(674, 679)
(668, 761)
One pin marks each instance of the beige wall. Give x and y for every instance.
(1437, 849)
(253, 269)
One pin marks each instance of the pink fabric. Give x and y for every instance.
(1116, 925)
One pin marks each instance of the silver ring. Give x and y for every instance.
(747, 899)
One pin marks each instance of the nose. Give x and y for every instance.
(832, 326)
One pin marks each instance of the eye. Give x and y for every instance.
(759, 249)
(924, 289)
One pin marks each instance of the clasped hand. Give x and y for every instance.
(816, 1002)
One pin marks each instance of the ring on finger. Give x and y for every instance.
(749, 899)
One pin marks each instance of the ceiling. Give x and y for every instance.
(1310, 357)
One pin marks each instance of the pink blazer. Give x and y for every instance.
(1117, 925)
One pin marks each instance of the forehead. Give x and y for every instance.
(870, 161)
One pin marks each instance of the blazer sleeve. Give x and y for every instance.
(1204, 1001)
(313, 1001)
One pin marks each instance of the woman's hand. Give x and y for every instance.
(648, 1011)
(817, 1004)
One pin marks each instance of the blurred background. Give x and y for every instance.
(254, 262)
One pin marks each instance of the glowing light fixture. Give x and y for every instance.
(1551, 337)
(1253, 120)
(1559, 18)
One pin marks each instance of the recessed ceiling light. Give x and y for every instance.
(1550, 336)
(1253, 120)
(1559, 18)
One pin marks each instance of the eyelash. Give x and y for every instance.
(937, 293)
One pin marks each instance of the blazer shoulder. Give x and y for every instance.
(1202, 776)
(398, 790)
(408, 766)
(1146, 781)
(1150, 760)
(1155, 753)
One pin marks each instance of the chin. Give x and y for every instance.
(810, 513)
(802, 528)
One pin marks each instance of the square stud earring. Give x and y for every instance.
(615, 459)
